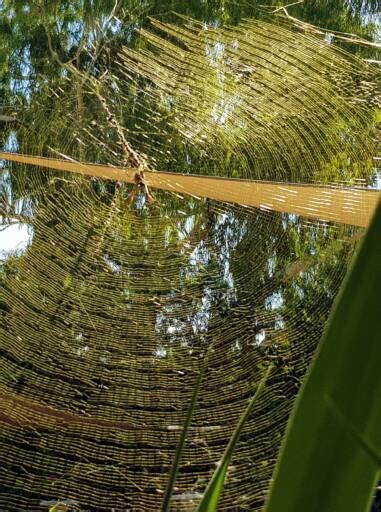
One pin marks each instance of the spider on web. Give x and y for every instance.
(140, 186)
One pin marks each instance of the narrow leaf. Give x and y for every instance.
(180, 447)
(330, 458)
(213, 491)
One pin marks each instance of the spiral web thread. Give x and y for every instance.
(108, 313)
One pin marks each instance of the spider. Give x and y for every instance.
(140, 184)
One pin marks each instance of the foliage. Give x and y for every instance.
(318, 422)
(126, 297)
(213, 491)
(37, 37)
(333, 436)
(233, 78)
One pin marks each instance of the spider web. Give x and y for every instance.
(108, 313)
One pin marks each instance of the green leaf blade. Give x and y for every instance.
(330, 459)
(214, 489)
(166, 505)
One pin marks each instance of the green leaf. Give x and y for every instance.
(180, 447)
(331, 456)
(213, 491)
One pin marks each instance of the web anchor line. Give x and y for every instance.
(343, 205)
